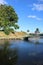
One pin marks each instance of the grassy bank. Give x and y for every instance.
(16, 35)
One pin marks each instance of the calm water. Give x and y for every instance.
(21, 53)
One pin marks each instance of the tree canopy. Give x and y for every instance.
(27, 30)
(8, 18)
(37, 30)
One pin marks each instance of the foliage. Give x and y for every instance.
(37, 30)
(27, 30)
(7, 30)
(8, 18)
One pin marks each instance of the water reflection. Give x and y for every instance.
(7, 55)
(36, 40)
(18, 52)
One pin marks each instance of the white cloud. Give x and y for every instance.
(31, 16)
(34, 17)
(3, 2)
(38, 7)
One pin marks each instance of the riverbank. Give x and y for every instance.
(16, 35)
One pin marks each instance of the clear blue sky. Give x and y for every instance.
(30, 13)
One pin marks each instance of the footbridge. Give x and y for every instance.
(27, 37)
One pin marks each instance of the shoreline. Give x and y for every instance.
(10, 38)
(16, 38)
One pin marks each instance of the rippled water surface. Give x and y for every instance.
(20, 52)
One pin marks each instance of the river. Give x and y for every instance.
(20, 52)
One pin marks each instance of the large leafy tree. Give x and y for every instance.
(8, 18)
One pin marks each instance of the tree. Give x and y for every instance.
(37, 30)
(8, 18)
(27, 30)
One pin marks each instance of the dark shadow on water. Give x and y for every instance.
(7, 55)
